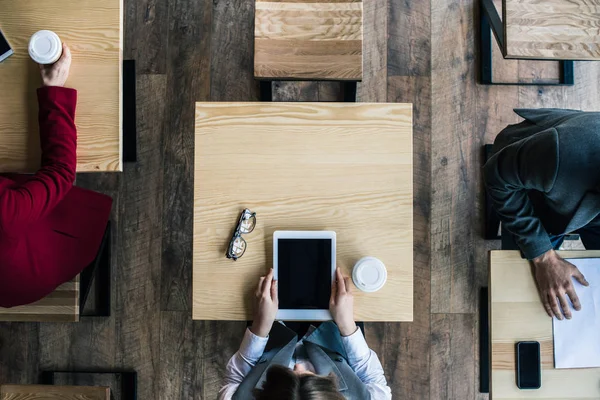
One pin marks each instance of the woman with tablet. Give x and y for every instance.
(332, 361)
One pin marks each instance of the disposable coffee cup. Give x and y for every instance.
(369, 274)
(45, 47)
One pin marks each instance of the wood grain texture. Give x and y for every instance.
(308, 40)
(146, 34)
(372, 88)
(552, 30)
(410, 31)
(454, 151)
(188, 80)
(62, 305)
(319, 157)
(112, 381)
(94, 32)
(51, 392)
(516, 314)
(452, 356)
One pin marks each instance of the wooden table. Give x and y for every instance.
(62, 305)
(308, 39)
(552, 29)
(51, 392)
(93, 30)
(345, 167)
(516, 314)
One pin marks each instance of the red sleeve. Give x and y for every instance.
(25, 203)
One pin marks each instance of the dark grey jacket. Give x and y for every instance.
(325, 350)
(544, 175)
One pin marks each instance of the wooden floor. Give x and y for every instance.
(197, 50)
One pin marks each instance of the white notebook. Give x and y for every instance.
(577, 341)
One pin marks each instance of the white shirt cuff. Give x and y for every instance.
(253, 347)
(356, 346)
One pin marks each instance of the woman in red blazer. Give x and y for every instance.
(50, 230)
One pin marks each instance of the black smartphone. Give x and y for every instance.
(5, 50)
(529, 366)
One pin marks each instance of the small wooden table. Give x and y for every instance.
(517, 314)
(552, 29)
(308, 39)
(93, 30)
(49, 392)
(62, 305)
(345, 167)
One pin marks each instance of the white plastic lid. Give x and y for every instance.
(45, 47)
(369, 274)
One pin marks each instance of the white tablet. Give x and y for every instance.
(304, 266)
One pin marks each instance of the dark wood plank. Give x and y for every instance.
(407, 344)
(188, 81)
(452, 356)
(295, 91)
(409, 32)
(454, 149)
(232, 51)
(375, 24)
(19, 351)
(145, 34)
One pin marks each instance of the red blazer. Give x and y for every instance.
(50, 230)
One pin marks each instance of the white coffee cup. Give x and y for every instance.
(45, 47)
(369, 274)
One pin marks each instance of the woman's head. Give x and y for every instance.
(283, 383)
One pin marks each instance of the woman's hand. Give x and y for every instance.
(341, 304)
(265, 306)
(56, 74)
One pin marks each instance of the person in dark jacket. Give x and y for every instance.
(49, 229)
(544, 180)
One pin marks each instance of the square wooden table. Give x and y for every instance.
(345, 167)
(93, 31)
(552, 29)
(308, 39)
(517, 314)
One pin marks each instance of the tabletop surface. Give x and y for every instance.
(345, 167)
(552, 29)
(308, 39)
(516, 314)
(93, 31)
(50, 392)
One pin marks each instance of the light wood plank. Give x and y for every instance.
(343, 167)
(93, 30)
(62, 305)
(51, 392)
(517, 314)
(553, 30)
(308, 40)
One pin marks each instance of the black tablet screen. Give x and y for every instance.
(304, 272)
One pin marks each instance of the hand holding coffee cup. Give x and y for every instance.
(56, 74)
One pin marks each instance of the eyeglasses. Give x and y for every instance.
(246, 224)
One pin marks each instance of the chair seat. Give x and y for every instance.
(308, 40)
(62, 305)
(51, 392)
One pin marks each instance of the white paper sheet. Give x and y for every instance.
(577, 341)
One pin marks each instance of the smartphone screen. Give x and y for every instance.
(5, 49)
(529, 372)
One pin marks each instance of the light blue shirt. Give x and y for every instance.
(363, 361)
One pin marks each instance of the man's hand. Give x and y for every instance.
(56, 74)
(265, 306)
(341, 304)
(553, 276)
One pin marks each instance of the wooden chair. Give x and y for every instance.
(50, 392)
(66, 302)
(315, 40)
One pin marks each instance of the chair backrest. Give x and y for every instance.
(62, 305)
(51, 392)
